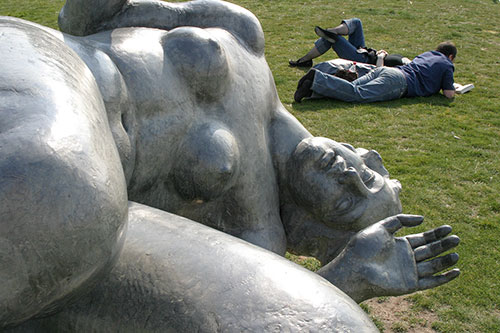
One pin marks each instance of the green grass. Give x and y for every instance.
(445, 153)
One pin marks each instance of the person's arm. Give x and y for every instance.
(381, 54)
(448, 87)
(449, 93)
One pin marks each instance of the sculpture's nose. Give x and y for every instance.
(396, 186)
(373, 160)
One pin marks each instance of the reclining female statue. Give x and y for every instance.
(158, 108)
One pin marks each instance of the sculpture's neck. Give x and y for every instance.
(309, 236)
(286, 133)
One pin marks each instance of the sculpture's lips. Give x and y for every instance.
(371, 185)
(370, 179)
(368, 182)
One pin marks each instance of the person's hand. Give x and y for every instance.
(381, 53)
(379, 264)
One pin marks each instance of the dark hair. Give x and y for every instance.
(447, 48)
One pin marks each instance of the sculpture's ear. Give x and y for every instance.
(206, 163)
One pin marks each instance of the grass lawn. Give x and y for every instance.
(445, 153)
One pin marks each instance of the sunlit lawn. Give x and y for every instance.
(446, 154)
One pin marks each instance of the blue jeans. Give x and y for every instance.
(346, 49)
(332, 66)
(380, 84)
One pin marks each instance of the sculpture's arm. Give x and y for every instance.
(178, 275)
(84, 17)
(81, 17)
(375, 263)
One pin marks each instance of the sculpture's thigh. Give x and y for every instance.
(62, 192)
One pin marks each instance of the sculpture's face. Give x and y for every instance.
(344, 188)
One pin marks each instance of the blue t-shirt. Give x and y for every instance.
(428, 73)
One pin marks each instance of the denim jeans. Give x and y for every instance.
(346, 49)
(380, 84)
(332, 66)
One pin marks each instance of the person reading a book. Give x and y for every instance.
(353, 48)
(426, 75)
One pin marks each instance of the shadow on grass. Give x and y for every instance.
(332, 104)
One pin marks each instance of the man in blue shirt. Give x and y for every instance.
(424, 76)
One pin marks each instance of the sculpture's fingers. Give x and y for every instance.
(435, 248)
(391, 224)
(431, 267)
(427, 237)
(408, 220)
(434, 281)
(394, 223)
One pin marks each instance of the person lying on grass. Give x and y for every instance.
(353, 48)
(426, 75)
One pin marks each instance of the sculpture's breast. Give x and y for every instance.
(207, 163)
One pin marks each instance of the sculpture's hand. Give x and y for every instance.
(380, 264)
(431, 244)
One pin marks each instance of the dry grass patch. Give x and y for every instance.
(396, 314)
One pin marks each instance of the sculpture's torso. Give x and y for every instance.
(193, 134)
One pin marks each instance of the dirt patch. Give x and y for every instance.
(395, 314)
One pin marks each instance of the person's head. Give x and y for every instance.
(342, 187)
(448, 49)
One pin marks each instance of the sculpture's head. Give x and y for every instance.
(342, 187)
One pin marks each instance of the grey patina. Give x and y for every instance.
(173, 106)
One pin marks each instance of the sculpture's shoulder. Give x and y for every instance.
(63, 197)
(28, 28)
(39, 72)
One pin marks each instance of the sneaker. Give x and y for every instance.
(309, 76)
(328, 35)
(297, 63)
(304, 87)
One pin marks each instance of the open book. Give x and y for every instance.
(462, 89)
